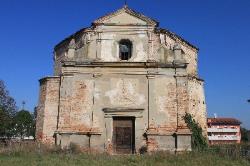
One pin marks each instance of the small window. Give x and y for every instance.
(125, 47)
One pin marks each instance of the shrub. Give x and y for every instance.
(74, 148)
(199, 142)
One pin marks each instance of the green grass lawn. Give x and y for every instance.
(61, 159)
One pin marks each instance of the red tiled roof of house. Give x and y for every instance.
(230, 121)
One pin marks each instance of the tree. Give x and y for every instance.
(7, 111)
(244, 136)
(34, 116)
(6, 102)
(24, 124)
(198, 140)
(6, 122)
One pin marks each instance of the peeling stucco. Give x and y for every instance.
(91, 86)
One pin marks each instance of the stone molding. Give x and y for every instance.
(130, 112)
(79, 132)
(151, 64)
(56, 78)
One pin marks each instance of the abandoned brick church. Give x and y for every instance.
(121, 85)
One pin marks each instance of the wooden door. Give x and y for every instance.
(123, 135)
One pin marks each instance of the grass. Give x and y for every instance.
(26, 155)
(192, 159)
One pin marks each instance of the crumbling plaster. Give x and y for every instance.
(156, 86)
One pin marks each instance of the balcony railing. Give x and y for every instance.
(224, 138)
(226, 130)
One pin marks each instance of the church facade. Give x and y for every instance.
(122, 85)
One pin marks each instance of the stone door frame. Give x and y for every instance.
(110, 114)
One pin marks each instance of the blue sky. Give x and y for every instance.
(221, 29)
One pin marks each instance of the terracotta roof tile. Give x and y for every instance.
(230, 121)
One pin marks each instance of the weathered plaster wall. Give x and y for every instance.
(164, 115)
(103, 44)
(190, 55)
(126, 19)
(154, 46)
(197, 104)
(76, 95)
(124, 92)
(80, 105)
(47, 110)
(182, 99)
(109, 49)
(83, 98)
(40, 111)
(59, 56)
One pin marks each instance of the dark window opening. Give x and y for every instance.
(125, 49)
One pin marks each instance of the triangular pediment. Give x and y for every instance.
(126, 16)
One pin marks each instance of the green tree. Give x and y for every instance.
(244, 132)
(198, 140)
(5, 121)
(23, 124)
(33, 130)
(7, 111)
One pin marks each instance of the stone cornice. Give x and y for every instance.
(79, 132)
(120, 111)
(191, 77)
(124, 64)
(56, 78)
